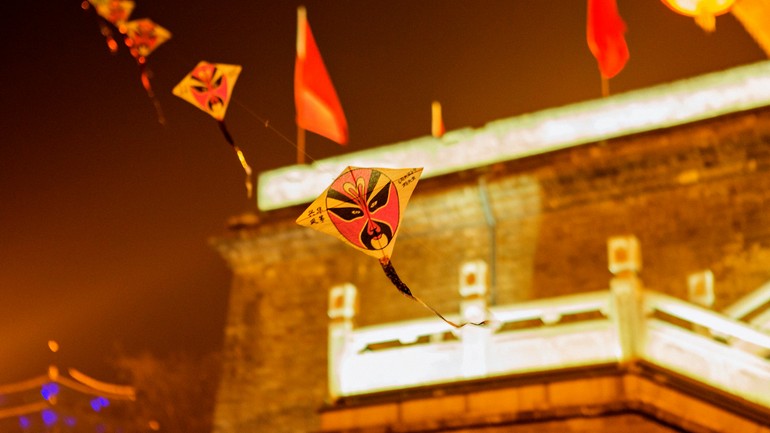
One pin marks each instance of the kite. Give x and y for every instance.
(142, 37)
(115, 12)
(209, 87)
(363, 207)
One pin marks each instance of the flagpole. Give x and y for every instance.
(437, 123)
(605, 87)
(301, 53)
(300, 145)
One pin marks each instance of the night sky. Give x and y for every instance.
(106, 214)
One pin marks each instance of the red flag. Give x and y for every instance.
(318, 108)
(604, 32)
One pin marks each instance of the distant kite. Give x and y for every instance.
(115, 12)
(209, 87)
(142, 37)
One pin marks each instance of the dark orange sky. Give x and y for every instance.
(105, 213)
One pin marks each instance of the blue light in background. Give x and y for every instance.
(24, 422)
(49, 390)
(98, 403)
(49, 417)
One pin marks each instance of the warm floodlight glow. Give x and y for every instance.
(692, 8)
(663, 106)
(703, 11)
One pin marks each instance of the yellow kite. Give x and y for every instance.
(209, 87)
(364, 207)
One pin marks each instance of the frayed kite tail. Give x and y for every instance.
(390, 272)
(241, 158)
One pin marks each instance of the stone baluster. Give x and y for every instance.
(343, 307)
(474, 286)
(627, 304)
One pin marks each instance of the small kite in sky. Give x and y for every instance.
(363, 207)
(142, 37)
(209, 87)
(115, 12)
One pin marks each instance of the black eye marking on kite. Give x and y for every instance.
(380, 199)
(347, 213)
(333, 193)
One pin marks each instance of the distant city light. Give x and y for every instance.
(49, 390)
(98, 403)
(49, 417)
(24, 422)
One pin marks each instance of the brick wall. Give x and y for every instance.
(696, 196)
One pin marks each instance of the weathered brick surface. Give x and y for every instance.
(696, 196)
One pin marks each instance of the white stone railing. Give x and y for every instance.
(756, 304)
(523, 337)
(622, 324)
(707, 346)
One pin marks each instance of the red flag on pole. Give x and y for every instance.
(604, 32)
(318, 108)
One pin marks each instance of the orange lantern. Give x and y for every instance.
(704, 11)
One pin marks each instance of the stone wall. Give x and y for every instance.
(696, 196)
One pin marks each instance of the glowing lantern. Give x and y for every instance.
(704, 11)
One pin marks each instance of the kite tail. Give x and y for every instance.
(390, 272)
(241, 158)
(148, 88)
(104, 29)
(112, 44)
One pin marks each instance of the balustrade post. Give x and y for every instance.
(475, 340)
(627, 305)
(343, 307)
(700, 288)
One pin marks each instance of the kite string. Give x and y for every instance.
(390, 272)
(271, 127)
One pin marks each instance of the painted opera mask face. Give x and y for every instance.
(210, 88)
(363, 205)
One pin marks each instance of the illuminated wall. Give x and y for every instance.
(695, 192)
